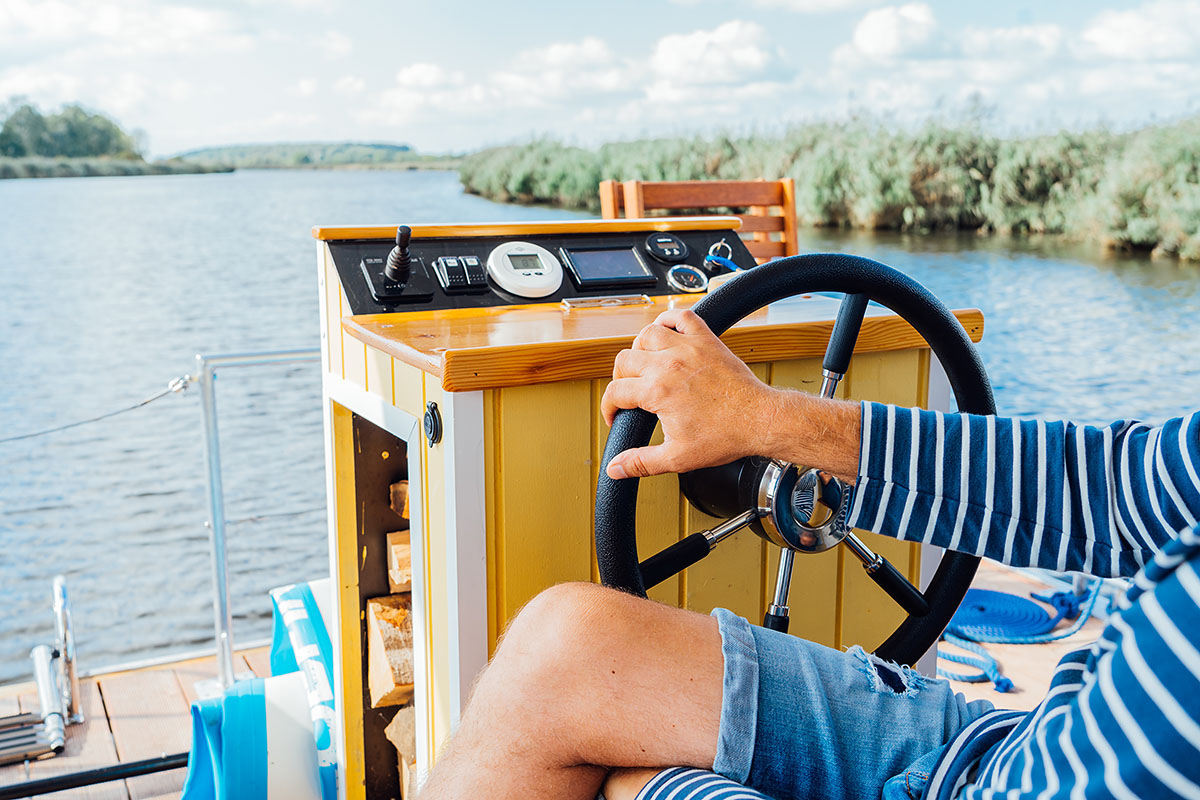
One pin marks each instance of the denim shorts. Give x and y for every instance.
(801, 720)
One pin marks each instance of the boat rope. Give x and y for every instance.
(989, 669)
(174, 387)
(1001, 618)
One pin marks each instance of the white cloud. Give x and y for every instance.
(427, 75)
(815, 6)
(117, 27)
(895, 31)
(42, 86)
(1024, 41)
(350, 84)
(588, 52)
(335, 44)
(305, 87)
(733, 52)
(1168, 29)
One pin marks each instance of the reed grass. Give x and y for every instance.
(44, 167)
(1137, 190)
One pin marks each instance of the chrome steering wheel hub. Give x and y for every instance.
(801, 508)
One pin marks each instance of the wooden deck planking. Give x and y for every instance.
(259, 661)
(1028, 666)
(149, 716)
(89, 746)
(129, 716)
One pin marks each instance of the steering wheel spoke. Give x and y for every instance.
(888, 578)
(691, 549)
(841, 342)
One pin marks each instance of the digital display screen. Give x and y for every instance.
(619, 265)
(522, 262)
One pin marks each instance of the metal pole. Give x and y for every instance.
(206, 370)
(67, 677)
(216, 523)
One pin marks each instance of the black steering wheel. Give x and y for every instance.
(781, 501)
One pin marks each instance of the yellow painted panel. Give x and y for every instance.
(816, 578)
(868, 616)
(408, 388)
(733, 575)
(354, 353)
(658, 503)
(543, 488)
(379, 374)
(331, 302)
(346, 532)
(433, 465)
(490, 449)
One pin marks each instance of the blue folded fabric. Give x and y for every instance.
(228, 760)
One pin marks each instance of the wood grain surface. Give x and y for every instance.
(488, 348)
(474, 230)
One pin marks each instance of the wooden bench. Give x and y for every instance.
(769, 226)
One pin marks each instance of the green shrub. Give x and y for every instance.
(1137, 190)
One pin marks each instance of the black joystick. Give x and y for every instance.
(399, 262)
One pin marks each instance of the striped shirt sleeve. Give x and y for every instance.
(1056, 495)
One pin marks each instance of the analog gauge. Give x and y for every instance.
(666, 247)
(525, 269)
(683, 278)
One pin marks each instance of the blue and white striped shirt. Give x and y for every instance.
(1122, 717)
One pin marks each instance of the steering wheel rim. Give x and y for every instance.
(616, 500)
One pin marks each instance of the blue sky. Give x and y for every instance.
(448, 76)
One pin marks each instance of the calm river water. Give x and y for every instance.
(109, 286)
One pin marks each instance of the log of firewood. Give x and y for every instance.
(399, 550)
(402, 733)
(399, 498)
(390, 650)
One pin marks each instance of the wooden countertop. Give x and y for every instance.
(489, 348)
(330, 233)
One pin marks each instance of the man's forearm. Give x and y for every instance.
(803, 429)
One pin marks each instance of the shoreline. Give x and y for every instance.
(40, 167)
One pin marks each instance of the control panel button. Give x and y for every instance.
(476, 271)
(455, 275)
(666, 247)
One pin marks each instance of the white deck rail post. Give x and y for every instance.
(206, 376)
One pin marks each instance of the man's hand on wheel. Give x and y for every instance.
(711, 406)
(713, 409)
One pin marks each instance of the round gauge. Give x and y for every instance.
(683, 278)
(525, 269)
(666, 247)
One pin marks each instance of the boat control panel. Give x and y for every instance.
(435, 272)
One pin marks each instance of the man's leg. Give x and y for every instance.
(586, 678)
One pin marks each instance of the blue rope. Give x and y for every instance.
(989, 670)
(987, 616)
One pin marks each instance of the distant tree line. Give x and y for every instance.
(72, 132)
(1138, 190)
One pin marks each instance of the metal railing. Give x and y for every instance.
(205, 377)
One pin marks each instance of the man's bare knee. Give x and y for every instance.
(563, 624)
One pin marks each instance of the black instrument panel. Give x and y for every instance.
(594, 265)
